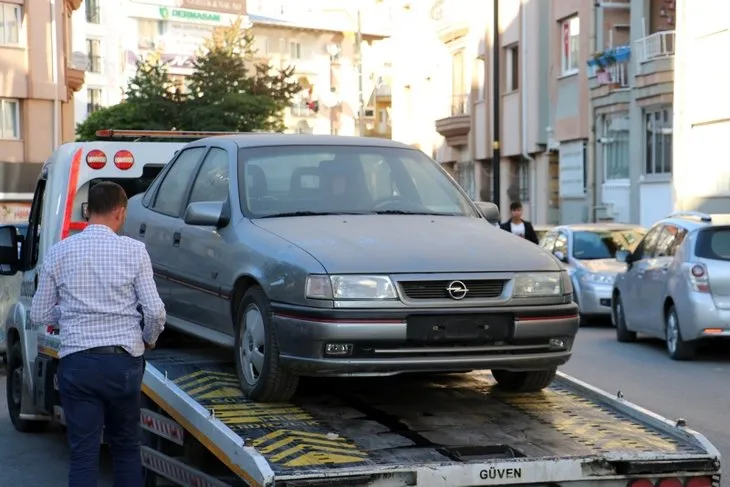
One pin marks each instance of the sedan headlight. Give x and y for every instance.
(535, 285)
(592, 278)
(350, 287)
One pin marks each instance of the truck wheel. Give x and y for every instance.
(677, 348)
(524, 381)
(623, 334)
(14, 392)
(262, 377)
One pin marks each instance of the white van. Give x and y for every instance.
(59, 210)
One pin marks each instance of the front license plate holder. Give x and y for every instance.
(459, 328)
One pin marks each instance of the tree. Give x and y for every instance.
(228, 94)
(150, 104)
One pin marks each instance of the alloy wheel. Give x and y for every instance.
(253, 344)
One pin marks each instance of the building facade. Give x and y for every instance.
(39, 77)
(701, 106)
(631, 77)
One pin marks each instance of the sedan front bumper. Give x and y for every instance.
(378, 341)
(595, 299)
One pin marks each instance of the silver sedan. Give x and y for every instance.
(588, 250)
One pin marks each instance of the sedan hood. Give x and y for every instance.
(603, 266)
(391, 244)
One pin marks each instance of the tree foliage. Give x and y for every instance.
(226, 92)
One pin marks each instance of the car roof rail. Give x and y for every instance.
(692, 215)
(162, 134)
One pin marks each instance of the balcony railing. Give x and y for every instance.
(655, 46)
(93, 13)
(301, 111)
(616, 74)
(92, 107)
(95, 64)
(459, 105)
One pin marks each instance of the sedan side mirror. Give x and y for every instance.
(489, 211)
(623, 256)
(9, 253)
(206, 214)
(560, 256)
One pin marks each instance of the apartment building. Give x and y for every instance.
(38, 75)
(443, 98)
(320, 41)
(701, 106)
(98, 33)
(631, 76)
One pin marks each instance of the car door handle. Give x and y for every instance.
(176, 239)
(142, 229)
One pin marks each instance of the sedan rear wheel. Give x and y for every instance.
(261, 375)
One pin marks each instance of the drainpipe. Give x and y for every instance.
(55, 76)
(592, 166)
(523, 92)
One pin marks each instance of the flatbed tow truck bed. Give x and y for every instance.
(437, 431)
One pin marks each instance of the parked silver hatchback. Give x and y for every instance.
(677, 285)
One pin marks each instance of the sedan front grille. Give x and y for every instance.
(476, 289)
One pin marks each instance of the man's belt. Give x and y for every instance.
(109, 350)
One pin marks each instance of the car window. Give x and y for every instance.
(345, 179)
(603, 244)
(211, 183)
(173, 187)
(669, 240)
(713, 243)
(647, 247)
(549, 241)
(561, 244)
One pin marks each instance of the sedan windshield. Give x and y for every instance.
(605, 244)
(324, 180)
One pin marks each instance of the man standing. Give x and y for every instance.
(517, 225)
(91, 285)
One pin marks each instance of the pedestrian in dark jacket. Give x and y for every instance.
(517, 225)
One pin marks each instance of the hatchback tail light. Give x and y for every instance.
(699, 278)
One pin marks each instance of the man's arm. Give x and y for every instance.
(530, 233)
(153, 309)
(43, 309)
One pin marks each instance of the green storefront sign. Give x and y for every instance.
(182, 14)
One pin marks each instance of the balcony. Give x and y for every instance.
(609, 73)
(456, 127)
(301, 111)
(93, 13)
(655, 67)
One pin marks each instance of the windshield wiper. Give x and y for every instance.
(404, 212)
(307, 213)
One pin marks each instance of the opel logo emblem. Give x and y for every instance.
(457, 290)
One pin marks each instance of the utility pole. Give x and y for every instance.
(496, 107)
(360, 89)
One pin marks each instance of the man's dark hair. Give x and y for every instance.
(515, 205)
(106, 197)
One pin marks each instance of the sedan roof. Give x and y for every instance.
(274, 139)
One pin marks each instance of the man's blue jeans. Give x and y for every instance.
(102, 392)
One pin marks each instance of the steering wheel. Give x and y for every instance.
(400, 202)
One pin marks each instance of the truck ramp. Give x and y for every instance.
(447, 427)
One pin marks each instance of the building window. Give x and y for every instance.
(9, 119)
(148, 31)
(458, 84)
(570, 29)
(465, 177)
(93, 48)
(615, 143)
(10, 24)
(93, 96)
(658, 141)
(486, 181)
(512, 73)
(93, 12)
(519, 187)
(295, 50)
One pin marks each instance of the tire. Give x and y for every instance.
(527, 381)
(623, 334)
(14, 384)
(677, 348)
(256, 337)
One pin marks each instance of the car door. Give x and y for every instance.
(656, 275)
(163, 222)
(204, 250)
(633, 283)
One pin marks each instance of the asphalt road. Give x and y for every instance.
(696, 391)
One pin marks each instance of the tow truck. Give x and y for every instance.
(442, 430)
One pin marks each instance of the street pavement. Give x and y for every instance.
(696, 391)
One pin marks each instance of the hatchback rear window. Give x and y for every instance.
(714, 243)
